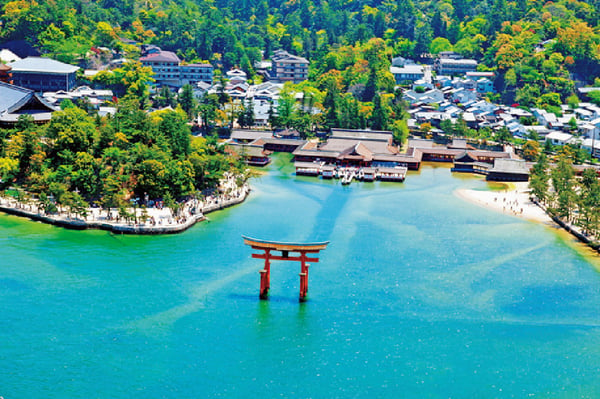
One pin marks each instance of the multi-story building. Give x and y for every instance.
(43, 74)
(194, 73)
(451, 66)
(169, 71)
(408, 73)
(288, 68)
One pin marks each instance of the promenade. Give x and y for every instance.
(150, 220)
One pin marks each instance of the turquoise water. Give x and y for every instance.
(419, 295)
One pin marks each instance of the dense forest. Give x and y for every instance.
(539, 50)
(533, 45)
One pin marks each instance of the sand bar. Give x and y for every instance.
(512, 201)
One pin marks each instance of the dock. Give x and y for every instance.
(348, 174)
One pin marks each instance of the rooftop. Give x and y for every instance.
(39, 64)
(162, 56)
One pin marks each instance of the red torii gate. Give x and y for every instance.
(285, 248)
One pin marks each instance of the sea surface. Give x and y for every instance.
(419, 295)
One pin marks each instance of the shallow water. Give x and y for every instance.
(419, 295)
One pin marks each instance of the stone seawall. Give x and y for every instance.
(580, 236)
(123, 228)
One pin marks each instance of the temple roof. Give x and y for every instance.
(44, 65)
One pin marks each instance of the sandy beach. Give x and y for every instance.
(513, 201)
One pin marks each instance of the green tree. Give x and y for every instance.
(539, 179)
(188, 101)
(380, 117)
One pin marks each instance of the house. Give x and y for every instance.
(43, 74)
(463, 96)
(592, 129)
(236, 76)
(408, 73)
(267, 91)
(592, 146)
(427, 97)
(16, 101)
(288, 68)
(200, 89)
(484, 85)
(93, 96)
(544, 117)
(401, 61)
(559, 138)
(261, 109)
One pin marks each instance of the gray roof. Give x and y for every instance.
(39, 64)
(514, 166)
(250, 134)
(361, 134)
(11, 97)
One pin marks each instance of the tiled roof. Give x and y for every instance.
(514, 166)
(39, 64)
(11, 96)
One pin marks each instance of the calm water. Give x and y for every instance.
(419, 295)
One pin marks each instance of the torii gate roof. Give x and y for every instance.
(284, 246)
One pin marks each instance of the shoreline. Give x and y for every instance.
(516, 202)
(162, 220)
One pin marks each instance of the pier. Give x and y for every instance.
(348, 174)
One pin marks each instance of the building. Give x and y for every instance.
(169, 71)
(252, 154)
(94, 97)
(408, 73)
(559, 138)
(451, 66)
(16, 101)
(508, 170)
(194, 73)
(288, 68)
(43, 74)
(484, 85)
(165, 65)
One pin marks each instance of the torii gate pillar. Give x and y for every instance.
(285, 248)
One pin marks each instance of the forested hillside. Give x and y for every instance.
(502, 34)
